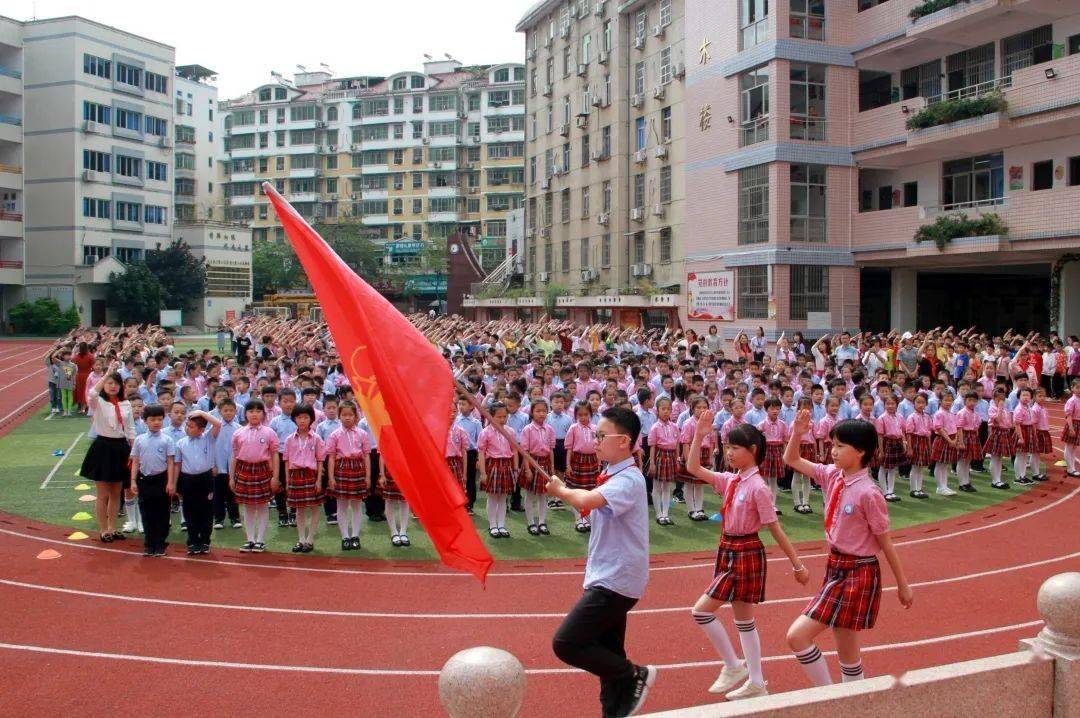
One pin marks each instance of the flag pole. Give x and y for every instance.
(525, 456)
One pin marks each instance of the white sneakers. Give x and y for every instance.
(729, 678)
(748, 690)
(946, 492)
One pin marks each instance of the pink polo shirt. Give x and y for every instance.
(776, 432)
(664, 435)
(493, 444)
(1000, 417)
(751, 505)
(919, 424)
(254, 444)
(457, 443)
(1022, 415)
(1072, 408)
(538, 439)
(304, 452)
(861, 511)
(824, 427)
(347, 443)
(728, 426)
(581, 439)
(1042, 419)
(945, 421)
(967, 420)
(890, 425)
(987, 384)
(686, 434)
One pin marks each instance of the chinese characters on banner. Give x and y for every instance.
(710, 296)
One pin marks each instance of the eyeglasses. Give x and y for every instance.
(600, 436)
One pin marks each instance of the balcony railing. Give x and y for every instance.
(13, 169)
(977, 90)
(807, 128)
(10, 120)
(11, 264)
(754, 131)
(10, 72)
(972, 204)
(11, 217)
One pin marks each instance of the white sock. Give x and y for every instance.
(772, 487)
(262, 520)
(890, 479)
(530, 512)
(131, 510)
(995, 469)
(357, 516)
(815, 666)
(250, 512)
(313, 523)
(941, 474)
(751, 648)
(391, 516)
(698, 490)
(541, 505)
(500, 510)
(1036, 464)
(343, 517)
(718, 637)
(666, 490)
(963, 471)
(851, 673)
(915, 478)
(658, 498)
(882, 480)
(403, 518)
(1070, 457)
(492, 511)
(1020, 465)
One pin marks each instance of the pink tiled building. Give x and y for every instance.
(821, 135)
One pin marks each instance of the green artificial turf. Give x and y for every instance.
(26, 458)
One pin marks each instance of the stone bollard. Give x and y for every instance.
(482, 682)
(1059, 607)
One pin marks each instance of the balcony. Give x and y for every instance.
(10, 80)
(239, 176)
(11, 224)
(11, 271)
(754, 131)
(11, 177)
(303, 197)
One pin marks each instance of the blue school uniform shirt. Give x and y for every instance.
(327, 427)
(961, 363)
(366, 428)
(561, 423)
(618, 557)
(284, 427)
(905, 408)
(787, 414)
(203, 404)
(648, 418)
(196, 454)
(470, 426)
(223, 445)
(681, 419)
(818, 411)
(148, 396)
(153, 451)
(1013, 399)
(518, 421)
(721, 418)
(140, 427)
(755, 416)
(174, 432)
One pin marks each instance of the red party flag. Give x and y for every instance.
(404, 387)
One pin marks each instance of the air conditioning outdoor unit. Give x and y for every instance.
(597, 101)
(564, 31)
(658, 210)
(545, 183)
(680, 69)
(583, 121)
(661, 152)
(637, 214)
(639, 42)
(640, 156)
(547, 89)
(320, 124)
(547, 41)
(91, 126)
(588, 274)
(529, 231)
(89, 176)
(602, 58)
(637, 100)
(526, 277)
(601, 5)
(658, 92)
(603, 218)
(582, 68)
(545, 231)
(531, 55)
(426, 141)
(543, 276)
(658, 31)
(640, 270)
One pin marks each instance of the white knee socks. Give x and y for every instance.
(535, 508)
(751, 648)
(1036, 464)
(963, 471)
(1070, 458)
(915, 478)
(800, 490)
(1020, 465)
(851, 672)
(941, 475)
(882, 474)
(397, 515)
(492, 509)
(697, 492)
(250, 521)
(403, 517)
(357, 514)
(815, 666)
(131, 510)
(262, 519)
(772, 487)
(995, 469)
(718, 637)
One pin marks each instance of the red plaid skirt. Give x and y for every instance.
(667, 464)
(808, 451)
(350, 481)
(302, 488)
(826, 452)
(1001, 442)
(850, 595)
(706, 460)
(537, 484)
(1043, 442)
(971, 448)
(457, 468)
(943, 452)
(501, 476)
(1071, 433)
(1027, 431)
(773, 465)
(920, 450)
(892, 453)
(582, 471)
(739, 571)
(391, 492)
(253, 482)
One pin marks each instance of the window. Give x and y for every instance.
(665, 13)
(304, 113)
(565, 255)
(96, 208)
(564, 205)
(307, 137)
(807, 101)
(98, 66)
(665, 244)
(911, 194)
(641, 27)
(808, 203)
(605, 141)
(566, 157)
(156, 126)
(1074, 171)
(264, 94)
(331, 114)
(128, 75)
(331, 185)
(1074, 44)
(606, 42)
(665, 66)
(443, 102)
(1026, 49)
(754, 204)
(605, 251)
(158, 171)
(153, 214)
(665, 124)
(753, 22)
(638, 250)
(586, 45)
(585, 150)
(584, 202)
(1042, 175)
(280, 93)
(867, 4)
(157, 83)
(973, 180)
(128, 211)
(418, 206)
(754, 92)
(418, 104)
(128, 166)
(92, 255)
(639, 78)
(639, 133)
(808, 19)
(885, 197)
(809, 290)
(753, 286)
(446, 128)
(97, 161)
(969, 68)
(605, 193)
(665, 184)
(128, 120)
(639, 190)
(505, 150)
(241, 119)
(279, 163)
(567, 60)
(398, 206)
(921, 81)
(97, 113)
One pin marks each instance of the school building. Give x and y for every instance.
(835, 165)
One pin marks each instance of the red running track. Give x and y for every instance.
(23, 382)
(273, 634)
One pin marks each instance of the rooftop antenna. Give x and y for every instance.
(301, 68)
(428, 57)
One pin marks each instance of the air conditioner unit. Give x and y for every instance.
(89, 176)
(583, 121)
(603, 218)
(564, 31)
(582, 68)
(546, 90)
(320, 124)
(602, 57)
(526, 277)
(498, 131)
(597, 101)
(529, 231)
(640, 156)
(658, 210)
(556, 170)
(426, 141)
(530, 55)
(545, 231)
(601, 5)
(680, 69)
(640, 270)
(354, 147)
(637, 100)
(639, 42)
(164, 141)
(564, 129)
(474, 190)
(475, 140)
(588, 274)
(637, 214)
(573, 11)
(661, 152)
(547, 41)
(658, 31)
(436, 165)
(545, 183)
(91, 126)
(658, 92)
(543, 276)
(331, 148)
(596, 155)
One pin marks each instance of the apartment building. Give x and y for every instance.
(197, 134)
(12, 243)
(98, 142)
(605, 196)
(413, 157)
(825, 138)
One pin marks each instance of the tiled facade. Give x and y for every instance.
(12, 243)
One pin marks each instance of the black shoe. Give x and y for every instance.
(533, 530)
(503, 533)
(354, 543)
(119, 536)
(999, 485)
(396, 540)
(258, 547)
(406, 542)
(298, 547)
(308, 548)
(346, 544)
(283, 521)
(292, 519)
(159, 552)
(1024, 481)
(892, 498)
(644, 677)
(1042, 477)
(922, 495)
(779, 512)
(580, 527)
(544, 530)
(148, 551)
(967, 488)
(331, 520)
(494, 533)
(192, 550)
(247, 546)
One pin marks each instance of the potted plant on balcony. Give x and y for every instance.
(931, 6)
(950, 226)
(941, 113)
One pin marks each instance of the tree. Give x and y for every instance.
(136, 295)
(274, 267)
(352, 242)
(43, 316)
(181, 274)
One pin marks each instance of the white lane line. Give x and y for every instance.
(521, 574)
(15, 354)
(23, 406)
(22, 378)
(460, 616)
(162, 660)
(61, 461)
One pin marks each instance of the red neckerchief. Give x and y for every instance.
(834, 502)
(115, 401)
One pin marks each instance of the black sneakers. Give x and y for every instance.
(644, 677)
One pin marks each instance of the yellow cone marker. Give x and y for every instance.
(48, 554)
(81, 516)
(87, 498)
(82, 487)
(77, 536)
(1060, 463)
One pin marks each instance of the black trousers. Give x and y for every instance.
(330, 504)
(592, 637)
(646, 454)
(560, 456)
(470, 476)
(198, 492)
(155, 507)
(281, 498)
(374, 505)
(224, 500)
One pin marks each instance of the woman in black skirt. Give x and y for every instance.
(106, 461)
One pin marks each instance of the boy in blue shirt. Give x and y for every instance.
(151, 466)
(224, 499)
(192, 478)
(284, 427)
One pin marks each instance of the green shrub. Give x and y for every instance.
(941, 113)
(43, 316)
(931, 6)
(948, 227)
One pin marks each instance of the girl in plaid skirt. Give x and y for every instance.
(918, 427)
(800, 485)
(1070, 435)
(776, 434)
(967, 425)
(303, 457)
(1002, 440)
(892, 447)
(254, 474)
(856, 528)
(1025, 424)
(1043, 444)
(695, 490)
(538, 439)
(457, 448)
(663, 460)
(582, 466)
(945, 449)
(349, 466)
(498, 469)
(740, 568)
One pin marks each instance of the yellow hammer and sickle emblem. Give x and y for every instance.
(366, 388)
